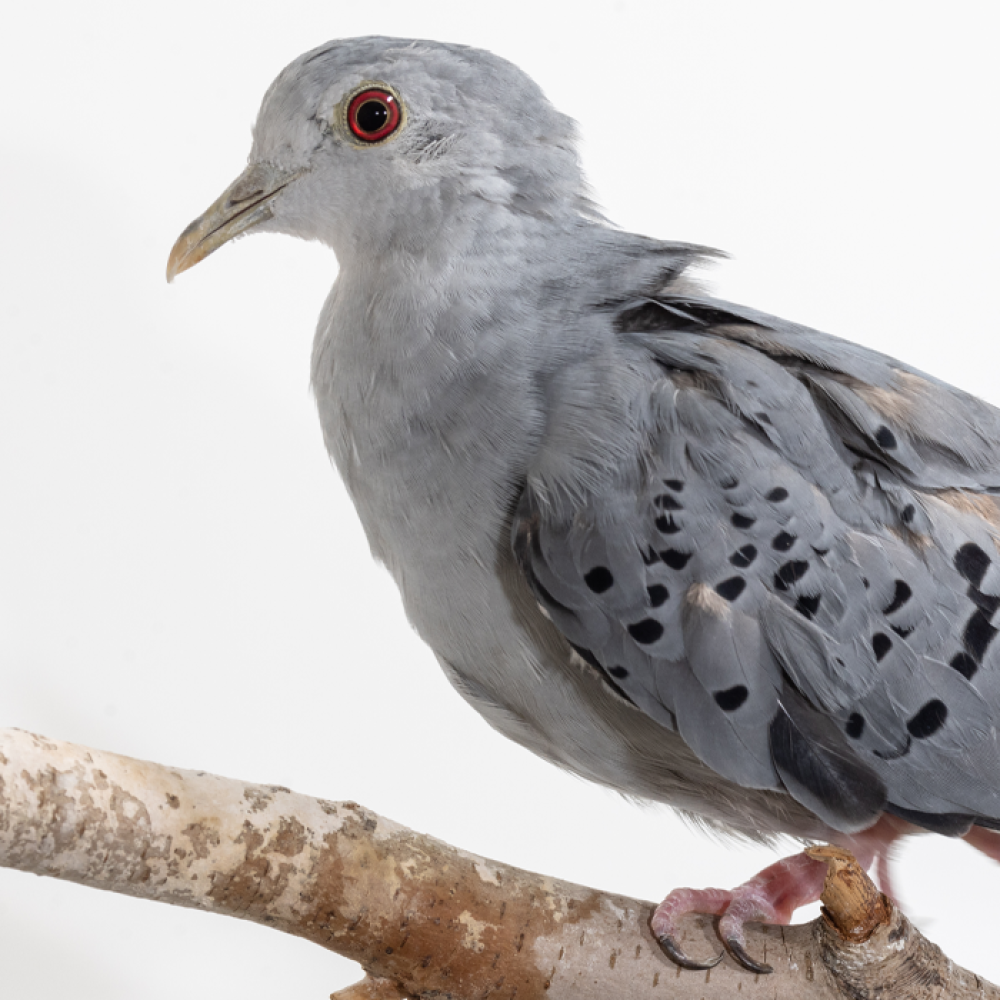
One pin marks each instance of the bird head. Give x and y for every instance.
(382, 145)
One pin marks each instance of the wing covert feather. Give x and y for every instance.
(804, 581)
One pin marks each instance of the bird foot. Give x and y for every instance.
(771, 896)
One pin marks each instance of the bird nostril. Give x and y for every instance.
(238, 197)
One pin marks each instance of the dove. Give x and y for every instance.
(682, 548)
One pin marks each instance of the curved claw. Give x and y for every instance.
(739, 953)
(674, 953)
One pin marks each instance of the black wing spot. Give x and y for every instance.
(667, 525)
(908, 513)
(732, 588)
(778, 494)
(985, 602)
(744, 556)
(599, 579)
(928, 720)
(881, 644)
(650, 556)
(743, 521)
(658, 594)
(731, 699)
(675, 559)
(666, 502)
(762, 417)
(676, 485)
(729, 483)
(646, 632)
(965, 665)
(855, 726)
(972, 562)
(901, 595)
(978, 635)
(789, 573)
(620, 672)
(901, 630)
(885, 438)
(807, 606)
(783, 541)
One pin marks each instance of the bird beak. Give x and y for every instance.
(244, 204)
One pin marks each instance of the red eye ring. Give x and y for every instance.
(373, 114)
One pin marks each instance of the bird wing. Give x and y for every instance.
(801, 577)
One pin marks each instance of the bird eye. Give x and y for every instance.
(373, 114)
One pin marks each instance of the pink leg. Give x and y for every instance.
(884, 876)
(772, 896)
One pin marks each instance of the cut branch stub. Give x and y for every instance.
(851, 902)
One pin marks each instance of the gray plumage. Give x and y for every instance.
(694, 552)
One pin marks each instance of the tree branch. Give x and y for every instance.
(423, 918)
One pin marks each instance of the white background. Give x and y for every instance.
(181, 576)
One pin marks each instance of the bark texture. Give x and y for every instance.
(422, 918)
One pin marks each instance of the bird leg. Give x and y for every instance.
(771, 896)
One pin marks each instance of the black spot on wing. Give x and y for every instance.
(972, 562)
(666, 502)
(985, 602)
(900, 596)
(666, 525)
(807, 606)
(928, 720)
(855, 725)
(742, 558)
(743, 521)
(658, 594)
(881, 644)
(778, 494)
(732, 588)
(978, 635)
(674, 484)
(789, 573)
(885, 438)
(599, 579)
(783, 541)
(965, 665)
(646, 631)
(675, 559)
(908, 513)
(731, 699)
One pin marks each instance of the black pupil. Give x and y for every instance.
(371, 116)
